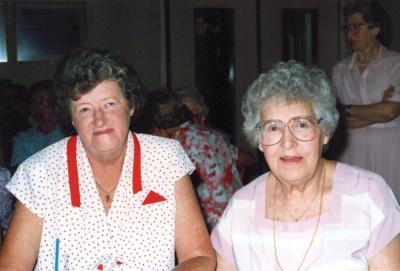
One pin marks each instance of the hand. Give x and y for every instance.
(388, 93)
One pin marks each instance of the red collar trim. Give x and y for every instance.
(73, 170)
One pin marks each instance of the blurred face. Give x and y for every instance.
(101, 118)
(290, 160)
(194, 107)
(43, 107)
(360, 36)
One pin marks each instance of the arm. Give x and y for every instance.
(364, 115)
(388, 259)
(193, 245)
(21, 245)
(223, 265)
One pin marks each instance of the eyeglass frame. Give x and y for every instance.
(354, 28)
(263, 122)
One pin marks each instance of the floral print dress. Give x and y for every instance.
(215, 161)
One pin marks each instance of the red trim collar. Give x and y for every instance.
(73, 170)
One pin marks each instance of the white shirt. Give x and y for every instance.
(132, 236)
(368, 87)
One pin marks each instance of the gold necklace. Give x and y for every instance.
(109, 194)
(316, 227)
(306, 210)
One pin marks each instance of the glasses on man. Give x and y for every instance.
(353, 28)
(270, 132)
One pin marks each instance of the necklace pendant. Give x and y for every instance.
(107, 197)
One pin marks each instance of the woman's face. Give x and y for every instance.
(362, 36)
(101, 118)
(290, 160)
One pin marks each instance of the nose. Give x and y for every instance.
(288, 139)
(99, 118)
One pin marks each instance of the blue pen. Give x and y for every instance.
(57, 254)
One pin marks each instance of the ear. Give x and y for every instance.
(131, 112)
(326, 139)
(376, 30)
(260, 147)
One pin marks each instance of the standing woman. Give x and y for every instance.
(307, 213)
(106, 199)
(368, 86)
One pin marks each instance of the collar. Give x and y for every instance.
(382, 50)
(73, 175)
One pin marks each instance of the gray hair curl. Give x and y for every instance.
(293, 82)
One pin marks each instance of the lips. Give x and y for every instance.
(291, 159)
(102, 132)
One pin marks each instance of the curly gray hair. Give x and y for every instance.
(291, 81)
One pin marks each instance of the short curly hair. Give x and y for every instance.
(84, 68)
(165, 110)
(188, 92)
(291, 81)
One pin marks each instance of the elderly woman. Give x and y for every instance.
(216, 160)
(193, 100)
(307, 213)
(368, 85)
(106, 199)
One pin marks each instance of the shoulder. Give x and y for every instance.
(48, 156)
(156, 142)
(355, 180)
(24, 135)
(389, 58)
(252, 189)
(343, 63)
(165, 150)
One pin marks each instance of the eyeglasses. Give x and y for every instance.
(270, 132)
(354, 28)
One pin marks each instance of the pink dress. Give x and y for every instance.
(375, 147)
(364, 217)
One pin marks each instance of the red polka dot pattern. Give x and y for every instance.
(132, 236)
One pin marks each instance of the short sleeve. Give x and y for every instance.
(28, 185)
(183, 162)
(384, 217)
(221, 236)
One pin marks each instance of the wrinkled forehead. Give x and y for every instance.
(284, 109)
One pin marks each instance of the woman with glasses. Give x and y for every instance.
(367, 85)
(307, 213)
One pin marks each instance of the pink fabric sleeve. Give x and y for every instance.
(385, 217)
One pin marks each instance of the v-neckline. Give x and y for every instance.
(73, 174)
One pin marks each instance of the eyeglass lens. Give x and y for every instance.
(303, 129)
(355, 28)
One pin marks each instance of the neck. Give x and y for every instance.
(305, 188)
(365, 56)
(46, 127)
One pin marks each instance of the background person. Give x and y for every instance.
(106, 199)
(45, 128)
(367, 85)
(216, 160)
(307, 213)
(195, 102)
(6, 202)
